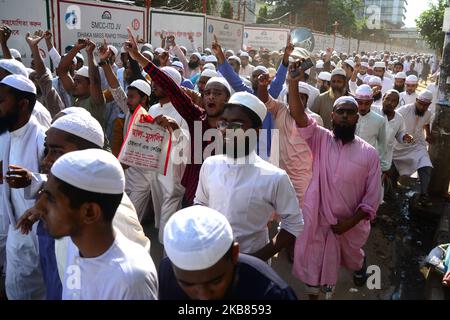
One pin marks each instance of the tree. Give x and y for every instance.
(227, 11)
(284, 10)
(344, 12)
(429, 24)
(262, 15)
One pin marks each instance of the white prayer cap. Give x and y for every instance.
(303, 88)
(235, 58)
(178, 64)
(379, 64)
(220, 80)
(15, 53)
(142, 86)
(350, 62)
(333, 64)
(249, 101)
(93, 170)
(79, 56)
(197, 54)
(173, 73)
(184, 48)
(13, 66)
(244, 54)
(367, 78)
(400, 75)
(210, 58)
(262, 68)
(122, 50)
(324, 76)
(208, 73)
(76, 110)
(364, 92)
(230, 52)
(338, 72)
(364, 64)
(207, 50)
(83, 72)
(411, 79)
(147, 46)
(319, 64)
(197, 237)
(375, 81)
(81, 125)
(113, 49)
(345, 99)
(148, 53)
(160, 50)
(426, 96)
(209, 66)
(19, 82)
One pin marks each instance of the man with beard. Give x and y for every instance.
(323, 81)
(341, 200)
(371, 127)
(192, 67)
(23, 145)
(323, 105)
(409, 158)
(245, 188)
(379, 71)
(246, 68)
(398, 67)
(377, 85)
(399, 81)
(410, 95)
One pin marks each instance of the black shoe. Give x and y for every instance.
(360, 276)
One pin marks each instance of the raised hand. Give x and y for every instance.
(216, 48)
(48, 35)
(264, 80)
(90, 47)
(5, 33)
(81, 44)
(131, 45)
(289, 46)
(33, 40)
(104, 52)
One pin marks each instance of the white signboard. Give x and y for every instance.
(229, 33)
(180, 24)
(446, 25)
(23, 16)
(76, 19)
(258, 37)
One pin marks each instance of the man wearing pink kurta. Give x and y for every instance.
(342, 197)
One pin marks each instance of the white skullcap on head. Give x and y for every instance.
(197, 54)
(209, 73)
(77, 110)
(211, 58)
(207, 49)
(412, 79)
(230, 52)
(249, 101)
(83, 72)
(197, 237)
(173, 73)
(220, 80)
(148, 53)
(93, 170)
(303, 88)
(364, 92)
(364, 64)
(13, 66)
(375, 81)
(319, 64)
(184, 48)
(148, 46)
(178, 64)
(113, 49)
(426, 96)
(324, 76)
(345, 99)
(333, 64)
(350, 62)
(19, 82)
(160, 50)
(338, 72)
(244, 54)
(15, 53)
(235, 58)
(79, 56)
(367, 78)
(379, 64)
(262, 68)
(81, 125)
(209, 66)
(400, 75)
(142, 86)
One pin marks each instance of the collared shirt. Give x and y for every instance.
(247, 70)
(42, 115)
(123, 272)
(248, 194)
(253, 280)
(372, 128)
(323, 106)
(97, 111)
(406, 98)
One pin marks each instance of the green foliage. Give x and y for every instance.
(344, 12)
(429, 24)
(227, 11)
(262, 15)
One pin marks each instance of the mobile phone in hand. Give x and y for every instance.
(307, 64)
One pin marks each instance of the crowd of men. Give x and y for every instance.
(337, 137)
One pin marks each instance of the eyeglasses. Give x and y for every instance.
(223, 125)
(350, 112)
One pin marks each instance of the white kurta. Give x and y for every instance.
(396, 130)
(387, 84)
(372, 129)
(248, 194)
(25, 148)
(406, 98)
(167, 191)
(4, 219)
(124, 272)
(410, 157)
(42, 115)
